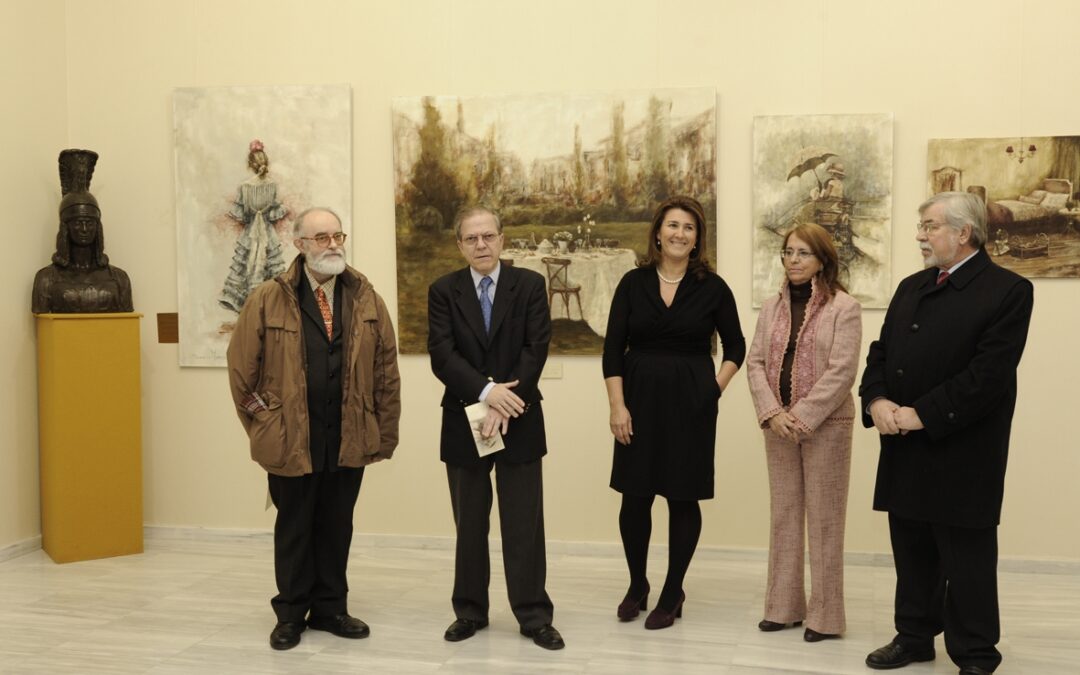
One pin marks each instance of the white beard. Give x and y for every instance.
(935, 261)
(327, 263)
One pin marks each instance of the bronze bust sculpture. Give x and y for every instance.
(80, 280)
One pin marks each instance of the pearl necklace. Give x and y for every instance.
(670, 281)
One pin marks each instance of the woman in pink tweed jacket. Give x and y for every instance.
(801, 368)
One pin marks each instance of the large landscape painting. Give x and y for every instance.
(574, 179)
(1030, 188)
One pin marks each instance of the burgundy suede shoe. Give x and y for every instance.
(660, 618)
(630, 607)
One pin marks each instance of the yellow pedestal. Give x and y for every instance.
(90, 435)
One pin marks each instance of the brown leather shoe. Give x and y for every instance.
(286, 634)
(894, 655)
(341, 625)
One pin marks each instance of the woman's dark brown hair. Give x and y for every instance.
(699, 261)
(821, 245)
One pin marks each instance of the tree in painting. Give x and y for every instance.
(573, 178)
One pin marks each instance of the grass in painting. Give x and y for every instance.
(423, 258)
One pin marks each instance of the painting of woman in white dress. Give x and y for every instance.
(233, 234)
(257, 255)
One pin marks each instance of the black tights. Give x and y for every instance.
(684, 528)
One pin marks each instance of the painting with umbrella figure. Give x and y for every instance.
(833, 170)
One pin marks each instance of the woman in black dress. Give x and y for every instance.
(663, 394)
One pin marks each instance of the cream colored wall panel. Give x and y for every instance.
(32, 133)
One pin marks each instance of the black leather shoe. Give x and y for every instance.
(463, 629)
(286, 634)
(772, 626)
(811, 635)
(973, 670)
(341, 625)
(894, 655)
(545, 636)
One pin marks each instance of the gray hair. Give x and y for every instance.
(299, 222)
(469, 212)
(962, 208)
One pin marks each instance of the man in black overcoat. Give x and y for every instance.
(940, 387)
(488, 332)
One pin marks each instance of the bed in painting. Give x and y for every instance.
(1039, 207)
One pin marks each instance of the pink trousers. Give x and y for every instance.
(808, 487)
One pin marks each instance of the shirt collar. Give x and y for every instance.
(476, 276)
(955, 267)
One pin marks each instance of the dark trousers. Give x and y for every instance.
(521, 516)
(946, 579)
(312, 535)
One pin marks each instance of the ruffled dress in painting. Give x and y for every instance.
(258, 255)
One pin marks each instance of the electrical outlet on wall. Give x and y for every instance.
(552, 370)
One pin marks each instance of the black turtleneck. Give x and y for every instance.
(800, 295)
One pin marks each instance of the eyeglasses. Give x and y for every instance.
(322, 240)
(792, 254)
(472, 240)
(927, 227)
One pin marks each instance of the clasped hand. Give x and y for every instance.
(506, 402)
(891, 418)
(783, 425)
(493, 421)
(502, 405)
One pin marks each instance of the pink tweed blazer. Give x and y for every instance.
(825, 364)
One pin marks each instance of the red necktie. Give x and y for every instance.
(324, 309)
(942, 276)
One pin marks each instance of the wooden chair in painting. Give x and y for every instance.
(559, 284)
(947, 179)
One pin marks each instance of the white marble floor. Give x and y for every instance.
(201, 606)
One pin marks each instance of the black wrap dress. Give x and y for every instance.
(669, 381)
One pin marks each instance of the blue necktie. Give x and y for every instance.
(485, 302)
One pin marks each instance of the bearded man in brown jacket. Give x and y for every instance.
(313, 371)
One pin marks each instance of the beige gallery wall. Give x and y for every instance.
(32, 128)
(966, 69)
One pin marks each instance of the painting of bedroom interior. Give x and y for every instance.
(1030, 186)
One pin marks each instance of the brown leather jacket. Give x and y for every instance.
(266, 355)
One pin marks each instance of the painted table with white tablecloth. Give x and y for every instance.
(596, 270)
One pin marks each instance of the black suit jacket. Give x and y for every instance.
(465, 357)
(951, 352)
